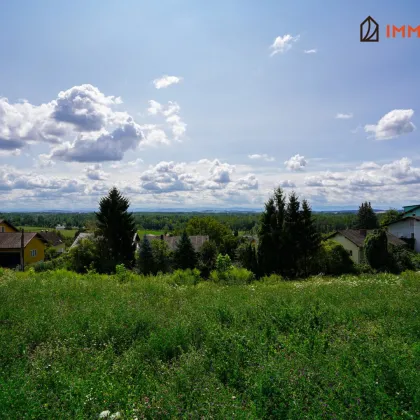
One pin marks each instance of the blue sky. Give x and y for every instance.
(72, 139)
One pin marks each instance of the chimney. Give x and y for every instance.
(22, 250)
(363, 232)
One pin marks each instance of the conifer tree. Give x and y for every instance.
(116, 227)
(146, 262)
(309, 237)
(366, 217)
(292, 230)
(185, 255)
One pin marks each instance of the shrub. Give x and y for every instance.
(82, 256)
(223, 263)
(400, 259)
(55, 264)
(232, 276)
(376, 250)
(272, 279)
(188, 277)
(332, 258)
(364, 269)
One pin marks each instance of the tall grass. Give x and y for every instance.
(168, 347)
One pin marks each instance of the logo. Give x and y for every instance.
(369, 30)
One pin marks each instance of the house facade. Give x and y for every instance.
(6, 227)
(353, 241)
(407, 228)
(411, 211)
(53, 240)
(10, 248)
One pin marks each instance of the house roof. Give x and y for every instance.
(404, 219)
(51, 237)
(80, 236)
(172, 241)
(413, 207)
(12, 240)
(355, 236)
(8, 223)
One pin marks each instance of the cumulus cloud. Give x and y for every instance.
(392, 125)
(221, 172)
(172, 118)
(344, 116)
(287, 183)
(296, 163)
(283, 43)
(85, 107)
(265, 157)
(312, 51)
(105, 147)
(83, 125)
(166, 81)
(95, 173)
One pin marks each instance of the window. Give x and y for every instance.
(351, 253)
(2, 229)
(33, 252)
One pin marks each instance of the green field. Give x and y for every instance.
(73, 346)
(149, 232)
(67, 233)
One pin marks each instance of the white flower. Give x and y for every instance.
(104, 414)
(116, 415)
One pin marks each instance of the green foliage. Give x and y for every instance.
(232, 276)
(117, 228)
(146, 262)
(207, 225)
(247, 256)
(376, 250)
(74, 346)
(185, 255)
(162, 256)
(332, 259)
(50, 253)
(57, 263)
(391, 215)
(188, 277)
(401, 259)
(207, 258)
(84, 255)
(223, 263)
(366, 217)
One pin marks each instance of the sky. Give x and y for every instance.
(188, 104)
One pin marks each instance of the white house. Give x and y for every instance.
(411, 211)
(408, 227)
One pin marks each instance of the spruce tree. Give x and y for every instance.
(146, 262)
(366, 217)
(185, 256)
(117, 227)
(292, 230)
(309, 238)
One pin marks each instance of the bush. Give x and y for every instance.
(223, 263)
(188, 277)
(376, 250)
(232, 276)
(83, 256)
(332, 258)
(55, 264)
(364, 269)
(271, 279)
(400, 259)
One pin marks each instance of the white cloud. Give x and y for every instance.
(312, 51)
(265, 157)
(95, 173)
(393, 124)
(174, 122)
(283, 43)
(166, 81)
(344, 116)
(296, 163)
(368, 165)
(287, 183)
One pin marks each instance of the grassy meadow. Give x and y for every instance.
(74, 346)
(66, 233)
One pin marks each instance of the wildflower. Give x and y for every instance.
(104, 414)
(233, 397)
(116, 415)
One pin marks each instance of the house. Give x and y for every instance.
(80, 236)
(60, 227)
(10, 248)
(86, 235)
(411, 211)
(172, 241)
(407, 228)
(5, 226)
(53, 240)
(353, 240)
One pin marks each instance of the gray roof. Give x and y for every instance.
(358, 238)
(172, 241)
(51, 237)
(80, 236)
